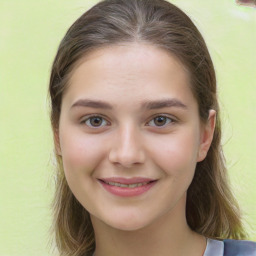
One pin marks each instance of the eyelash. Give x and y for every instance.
(88, 118)
(167, 117)
(169, 120)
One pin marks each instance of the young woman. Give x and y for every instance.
(137, 136)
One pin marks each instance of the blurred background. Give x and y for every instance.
(30, 32)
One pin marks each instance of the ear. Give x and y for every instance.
(57, 142)
(207, 132)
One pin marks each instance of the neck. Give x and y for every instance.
(168, 235)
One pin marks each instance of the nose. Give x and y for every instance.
(127, 148)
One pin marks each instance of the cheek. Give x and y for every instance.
(80, 153)
(177, 153)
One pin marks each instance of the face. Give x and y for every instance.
(130, 135)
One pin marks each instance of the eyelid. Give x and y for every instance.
(87, 117)
(173, 120)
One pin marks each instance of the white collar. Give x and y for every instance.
(214, 248)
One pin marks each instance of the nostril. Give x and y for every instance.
(126, 159)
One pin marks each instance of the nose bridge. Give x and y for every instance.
(127, 148)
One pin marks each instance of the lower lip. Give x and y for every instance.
(127, 192)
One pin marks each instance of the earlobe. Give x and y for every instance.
(57, 142)
(207, 135)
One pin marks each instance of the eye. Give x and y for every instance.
(160, 121)
(95, 121)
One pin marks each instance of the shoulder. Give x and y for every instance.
(239, 248)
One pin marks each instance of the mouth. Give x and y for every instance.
(133, 185)
(127, 187)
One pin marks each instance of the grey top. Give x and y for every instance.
(229, 247)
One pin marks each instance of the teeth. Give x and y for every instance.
(127, 185)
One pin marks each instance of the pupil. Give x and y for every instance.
(160, 120)
(96, 121)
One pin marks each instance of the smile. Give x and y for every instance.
(126, 185)
(123, 187)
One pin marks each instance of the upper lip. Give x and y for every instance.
(127, 180)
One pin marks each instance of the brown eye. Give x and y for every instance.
(95, 121)
(160, 121)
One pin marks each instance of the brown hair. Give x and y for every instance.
(211, 209)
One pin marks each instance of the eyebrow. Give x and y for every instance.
(165, 103)
(150, 105)
(91, 104)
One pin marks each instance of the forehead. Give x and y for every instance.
(134, 54)
(142, 69)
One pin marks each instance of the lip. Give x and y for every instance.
(127, 191)
(123, 180)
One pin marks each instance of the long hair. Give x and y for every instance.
(211, 209)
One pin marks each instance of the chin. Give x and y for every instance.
(127, 226)
(128, 222)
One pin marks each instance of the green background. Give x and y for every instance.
(30, 32)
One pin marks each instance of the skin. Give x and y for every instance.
(129, 141)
